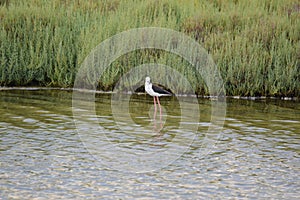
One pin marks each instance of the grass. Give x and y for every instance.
(255, 44)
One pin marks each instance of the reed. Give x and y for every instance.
(255, 44)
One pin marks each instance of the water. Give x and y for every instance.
(257, 156)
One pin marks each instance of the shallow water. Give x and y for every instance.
(44, 156)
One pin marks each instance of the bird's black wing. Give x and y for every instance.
(160, 90)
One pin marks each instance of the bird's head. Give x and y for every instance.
(147, 80)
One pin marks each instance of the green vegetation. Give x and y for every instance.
(255, 44)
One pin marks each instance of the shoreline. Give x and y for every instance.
(141, 93)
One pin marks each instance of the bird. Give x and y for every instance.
(155, 91)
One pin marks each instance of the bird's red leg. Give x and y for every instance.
(159, 108)
(154, 102)
(154, 114)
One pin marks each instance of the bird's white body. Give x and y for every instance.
(150, 89)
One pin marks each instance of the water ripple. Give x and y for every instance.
(43, 157)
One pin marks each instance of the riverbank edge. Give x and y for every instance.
(141, 93)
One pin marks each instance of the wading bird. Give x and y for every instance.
(156, 92)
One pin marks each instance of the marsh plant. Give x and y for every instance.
(255, 44)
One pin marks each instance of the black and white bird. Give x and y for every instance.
(155, 91)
